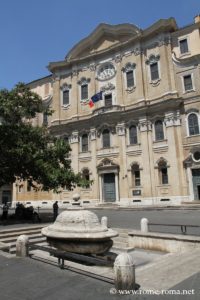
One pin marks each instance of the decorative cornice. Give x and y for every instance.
(184, 62)
(129, 67)
(66, 87)
(108, 87)
(152, 59)
(104, 126)
(83, 80)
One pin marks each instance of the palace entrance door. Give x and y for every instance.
(109, 189)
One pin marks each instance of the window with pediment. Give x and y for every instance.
(129, 72)
(163, 171)
(136, 177)
(65, 95)
(83, 82)
(154, 69)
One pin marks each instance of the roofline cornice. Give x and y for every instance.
(163, 25)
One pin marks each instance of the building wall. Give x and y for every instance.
(146, 102)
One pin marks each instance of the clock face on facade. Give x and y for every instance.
(106, 71)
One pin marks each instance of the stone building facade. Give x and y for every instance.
(140, 144)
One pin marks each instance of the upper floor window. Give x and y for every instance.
(187, 80)
(183, 46)
(108, 99)
(65, 97)
(154, 71)
(130, 79)
(133, 135)
(136, 180)
(163, 172)
(83, 82)
(159, 131)
(193, 124)
(84, 91)
(84, 143)
(129, 73)
(106, 138)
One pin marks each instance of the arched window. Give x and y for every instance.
(84, 143)
(159, 132)
(106, 138)
(163, 173)
(133, 135)
(193, 124)
(86, 176)
(136, 180)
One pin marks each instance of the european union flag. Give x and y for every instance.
(95, 98)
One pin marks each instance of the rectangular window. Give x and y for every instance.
(108, 100)
(164, 176)
(183, 46)
(154, 71)
(84, 92)
(137, 178)
(129, 79)
(188, 82)
(66, 97)
(85, 143)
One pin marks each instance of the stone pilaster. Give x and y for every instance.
(123, 179)
(95, 177)
(147, 175)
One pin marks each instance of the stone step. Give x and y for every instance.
(17, 233)
(38, 241)
(14, 238)
(24, 228)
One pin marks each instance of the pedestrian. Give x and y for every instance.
(5, 212)
(55, 210)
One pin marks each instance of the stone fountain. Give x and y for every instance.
(80, 231)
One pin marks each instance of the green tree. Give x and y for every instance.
(28, 152)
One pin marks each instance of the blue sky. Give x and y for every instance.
(35, 32)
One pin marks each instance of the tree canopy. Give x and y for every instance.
(29, 152)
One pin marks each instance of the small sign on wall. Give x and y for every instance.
(136, 192)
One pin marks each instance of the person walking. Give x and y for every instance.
(55, 210)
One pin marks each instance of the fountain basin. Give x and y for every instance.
(79, 231)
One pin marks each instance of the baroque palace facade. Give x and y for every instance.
(140, 144)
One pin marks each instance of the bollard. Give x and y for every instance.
(104, 221)
(22, 246)
(124, 272)
(144, 225)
